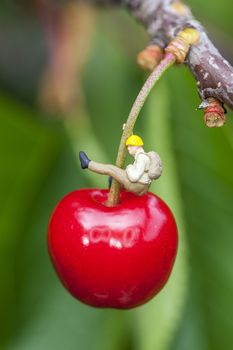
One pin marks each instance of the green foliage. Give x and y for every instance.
(206, 176)
(27, 151)
(39, 166)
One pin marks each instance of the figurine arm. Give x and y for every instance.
(136, 170)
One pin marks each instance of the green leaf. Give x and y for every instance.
(27, 150)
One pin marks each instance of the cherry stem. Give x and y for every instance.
(168, 60)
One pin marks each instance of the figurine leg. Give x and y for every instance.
(108, 169)
(119, 175)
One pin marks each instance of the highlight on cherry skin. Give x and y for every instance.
(112, 257)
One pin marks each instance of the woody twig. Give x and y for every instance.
(163, 19)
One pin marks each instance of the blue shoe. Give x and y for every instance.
(84, 160)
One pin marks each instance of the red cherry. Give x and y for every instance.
(117, 257)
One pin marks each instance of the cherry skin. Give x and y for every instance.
(118, 257)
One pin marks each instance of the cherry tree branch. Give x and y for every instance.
(163, 19)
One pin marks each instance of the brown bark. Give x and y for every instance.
(163, 19)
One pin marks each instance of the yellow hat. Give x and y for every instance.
(134, 140)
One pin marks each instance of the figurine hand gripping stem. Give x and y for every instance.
(137, 177)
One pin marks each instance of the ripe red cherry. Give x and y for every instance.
(117, 257)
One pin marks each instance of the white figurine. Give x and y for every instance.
(137, 177)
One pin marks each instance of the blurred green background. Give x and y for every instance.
(42, 131)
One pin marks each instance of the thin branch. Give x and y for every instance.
(163, 19)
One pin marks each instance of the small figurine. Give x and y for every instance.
(137, 177)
